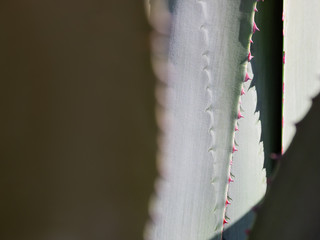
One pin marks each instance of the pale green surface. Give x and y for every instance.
(207, 63)
(249, 175)
(302, 67)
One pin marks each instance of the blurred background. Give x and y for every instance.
(77, 126)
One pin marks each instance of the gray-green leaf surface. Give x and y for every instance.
(302, 62)
(247, 167)
(208, 51)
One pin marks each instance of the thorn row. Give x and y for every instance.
(239, 116)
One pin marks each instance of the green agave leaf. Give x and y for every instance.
(247, 167)
(290, 209)
(208, 52)
(78, 131)
(258, 130)
(302, 58)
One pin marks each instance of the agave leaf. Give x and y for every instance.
(290, 209)
(78, 132)
(247, 167)
(302, 58)
(209, 46)
(258, 134)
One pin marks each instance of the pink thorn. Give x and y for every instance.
(284, 58)
(234, 149)
(236, 128)
(239, 115)
(251, 40)
(224, 221)
(256, 208)
(255, 9)
(231, 162)
(275, 156)
(242, 91)
(247, 78)
(269, 181)
(230, 180)
(227, 202)
(250, 57)
(255, 28)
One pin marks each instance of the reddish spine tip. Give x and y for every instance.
(275, 156)
(227, 202)
(242, 91)
(255, 9)
(234, 149)
(239, 115)
(236, 128)
(255, 27)
(230, 179)
(256, 208)
(251, 40)
(250, 56)
(247, 78)
(224, 221)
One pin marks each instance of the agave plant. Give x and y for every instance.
(78, 132)
(222, 115)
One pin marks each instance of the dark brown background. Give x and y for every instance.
(77, 127)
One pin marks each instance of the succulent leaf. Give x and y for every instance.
(302, 58)
(249, 184)
(208, 60)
